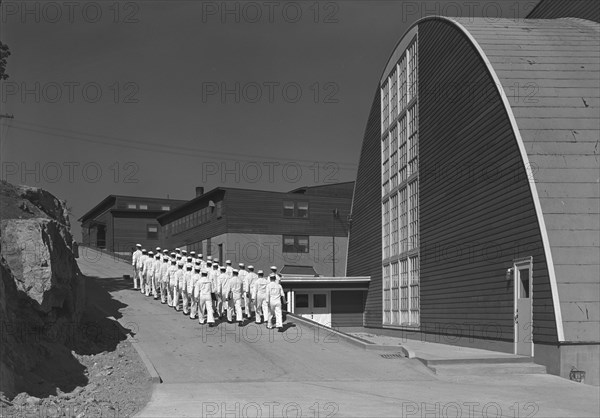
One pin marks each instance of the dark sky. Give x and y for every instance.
(153, 98)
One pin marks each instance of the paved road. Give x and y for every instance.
(250, 371)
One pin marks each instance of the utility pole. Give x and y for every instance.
(335, 215)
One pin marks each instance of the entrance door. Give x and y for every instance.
(101, 236)
(314, 305)
(523, 307)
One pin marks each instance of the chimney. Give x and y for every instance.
(199, 191)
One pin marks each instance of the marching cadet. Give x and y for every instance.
(260, 296)
(228, 268)
(134, 259)
(193, 255)
(202, 262)
(251, 297)
(156, 276)
(164, 279)
(172, 280)
(140, 266)
(274, 294)
(235, 288)
(190, 289)
(178, 285)
(242, 273)
(146, 272)
(277, 275)
(187, 278)
(223, 294)
(213, 274)
(202, 292)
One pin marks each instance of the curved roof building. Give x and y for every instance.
(476, 205)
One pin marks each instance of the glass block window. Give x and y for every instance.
(386, 229)
(387, 302)
(413, 140)
(402, 150)
(413, 215)
(394, 225)
(393, 158)
(393, 96)
(403, 221)
(385, 158)
(385, 107)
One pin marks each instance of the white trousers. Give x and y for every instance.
(262, 308)
(205, 305)
(275, 310)
(237, 305)
(136, 277)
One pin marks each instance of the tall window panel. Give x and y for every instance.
(393, 95)
(386, 229)
(395, 290)
(394, 225)
(414, 289)
(402, 150)
(413, 215)
(385, 107)
(387, 313)
(404, 295)
(400, 191)
(413, 140)
(394, 158)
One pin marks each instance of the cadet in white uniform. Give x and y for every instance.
(223, 295)
(242, 273)
(260, 296)
(140, 266)
(172, 281)
(190, 289)
(274, 294)
(179, 287)
(236, 288)
(187, 277)
(134, 259)
(203, 291)
(148, 273)
(250, 279)
(228, 268)
(164, 279)
(156, 275)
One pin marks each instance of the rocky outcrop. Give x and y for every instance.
(42, 294)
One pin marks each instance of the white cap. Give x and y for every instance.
(157, 248)
(209, 257)
(235, 271)
(138, 245)
(199, 255)
(180, 264)
(241, 264)
(273, 268)
(216, 260)
(228, 262)
(272, 276)
(150, 252)
(260, 272)
(192, 252)
(250, 267)
(222, 267)
(165, 251)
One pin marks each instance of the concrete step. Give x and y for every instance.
(481, 369)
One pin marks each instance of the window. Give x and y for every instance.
(131, 206)
(302, 211)
(152, 231)
(288, 208)
(293, 209)
(219, 208)
(301, 300)
(319, 300)
(295, 244)
(165, 207)
(400, 193)
(143, 207)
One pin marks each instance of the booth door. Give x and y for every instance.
(314, 305)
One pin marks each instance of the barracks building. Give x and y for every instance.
(476, 206)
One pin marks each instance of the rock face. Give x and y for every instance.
(42, 294)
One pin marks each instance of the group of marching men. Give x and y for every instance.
(206, 289)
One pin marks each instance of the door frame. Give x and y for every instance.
(522, 264)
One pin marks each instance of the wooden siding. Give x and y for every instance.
(129, 231)
(215, 226)
(251, 211)
(347, 308)
(364, 246)
(553, 9)
(557, 115)
(476, 210)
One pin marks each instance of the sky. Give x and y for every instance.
(154, 98)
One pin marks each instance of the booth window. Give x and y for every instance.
(152, 231)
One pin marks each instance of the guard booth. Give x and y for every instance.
(335, 302)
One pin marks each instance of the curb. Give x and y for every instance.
(356, 341)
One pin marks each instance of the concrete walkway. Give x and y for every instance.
(248, 371)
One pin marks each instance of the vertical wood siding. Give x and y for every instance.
(477, 213)
(364, 247)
